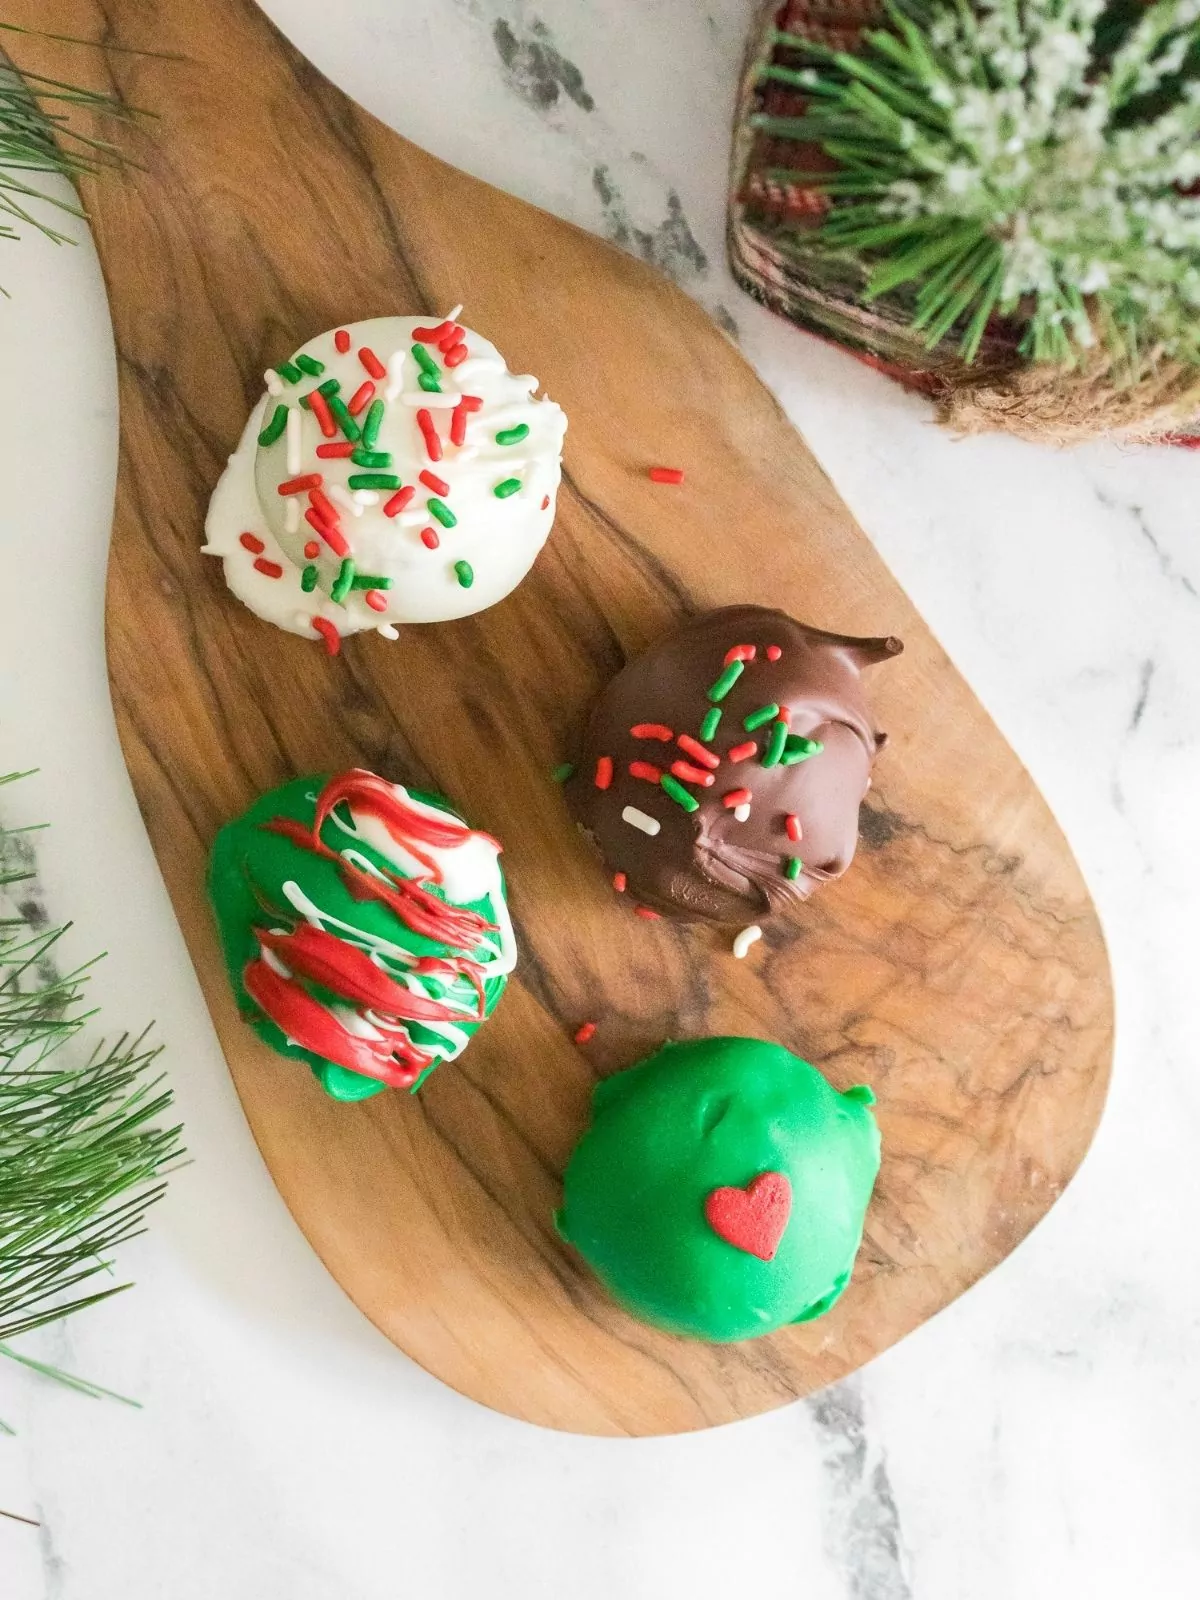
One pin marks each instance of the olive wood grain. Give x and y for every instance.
(958, 968)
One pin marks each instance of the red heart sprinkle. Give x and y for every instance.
(752, 1219)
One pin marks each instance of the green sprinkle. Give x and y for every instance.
(275, 428)
(562, 773)
(678, 793)
(436, 990)
(439, 509)
(727, 680)
(712, 721)
(757, 718)
(513, 435)
(371, 458)
(798, 749)
(373, 480)
(779, 737)
(425, 361)
(509, 486)
(372, 423)
(308, 579)
(285, 369)
(794, 868)
(344, 581)
(465, 573)
(344, 420)
(429, 383)
(330, 387)
(363, 580)
(311, 365)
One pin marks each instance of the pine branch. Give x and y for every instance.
(82, 1157)
(1033, 159)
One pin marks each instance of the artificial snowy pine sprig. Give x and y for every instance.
(81, 1159)
(1030, 158)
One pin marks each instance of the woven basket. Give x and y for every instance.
(773, 254)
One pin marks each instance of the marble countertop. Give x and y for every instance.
(1035, 1440)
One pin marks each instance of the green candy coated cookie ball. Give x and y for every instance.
(721, 1189)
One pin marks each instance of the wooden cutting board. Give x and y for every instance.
(958, 968)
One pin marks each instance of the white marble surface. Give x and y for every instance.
(1036, 1440)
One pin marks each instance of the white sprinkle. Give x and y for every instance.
(742, 813)
(295, 457)
(747, 937)
(453, 316)
(345, 499)
(395, 375)
(432, 402)
(291, 514)
(413, 519)
(366, 497)
(478, 366)
(388, 630)
(639, 819)
(467, 452)
(273, 381)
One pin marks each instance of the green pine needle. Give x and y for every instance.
(82, 1157)
(1029, 159)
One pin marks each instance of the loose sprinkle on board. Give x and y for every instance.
(706, 758)
(762, 715)
(586, 1033)
(638, 819)
(604, 772)
(666, 474)
(743, 752)
(332, 638)
(747, 937)
(651, 730)
(646, 770)
(712, 721)
(671, 786)
(619, 882)
(646, 914)
(726, 681)
(736, 797)
(562, 772)
(465, 573)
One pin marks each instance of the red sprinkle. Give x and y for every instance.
(269, 569)
(458, 426)
(546, 503)
(361, 398)
(320, 410)
(429, 538)
(785, 716)
(433, 445)
(310, 480)
(312, 550)
(743, 752)
(455, 356)
(434, 335)
(471, 402)
(736, 797)
(336, 452)
(251, 542)
(773, 652)
(332, 638)
(323, 506)
(741, 652)
(604, 772)
(372, 363)
(698, 752)
(643, 769)
(376, 599)
(652, 730)
(394, 506)
(432, 481)
(645, 911)
(794, 831)
(619, 882)
(666, 474)
(341, 341)
(450, 338)
(586, 1033)
(331, 534)
(691, 774)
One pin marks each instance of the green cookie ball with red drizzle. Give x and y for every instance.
(364, 928)
(721, 1189)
